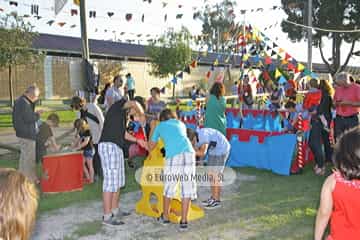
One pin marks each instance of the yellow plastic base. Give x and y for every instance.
(145, 207)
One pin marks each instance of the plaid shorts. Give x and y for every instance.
(112, 162)
(180, 169)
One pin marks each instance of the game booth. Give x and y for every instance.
(259, 139)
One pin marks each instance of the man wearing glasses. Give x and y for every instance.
(25, 120)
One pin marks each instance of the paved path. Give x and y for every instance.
(221, 223)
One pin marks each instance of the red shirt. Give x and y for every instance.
(351, 93)
(345, 218)
(312, 99)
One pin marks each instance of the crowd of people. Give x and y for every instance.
(130, 126)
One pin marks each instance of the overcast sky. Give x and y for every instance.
(104, 27)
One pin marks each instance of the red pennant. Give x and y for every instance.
(291, 67)
(266, 75)
(194, 64)
(287, 56)
(1, 9)
(74, 12)
(61, 24)
(208, 74)
(268, 60)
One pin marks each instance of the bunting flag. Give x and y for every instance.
(268, 60)
(272, 67)
(208, 74)
(300, 67)
(187, 69)
(282, 80)
(266, 75)
(142, 18)
(73, 26)
(284, 62)
(273, 53)
(34, 9)
(128, 17)
(50, 22)
(110, 14)
(168, 86)
(194, 64)
(277, 73)
(162, 90)
(179, 16)
(291, 67)
(216, 62)
(180, 75)
(73, 12)
(92, 14)
(164, 4)
(174, 80)
(287, 56)
(165, 17)
(61, 24)
(13, 3)
(59, 5)
(307, 72)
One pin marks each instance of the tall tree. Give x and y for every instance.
(218, 21)
(16, 37)
(338, 15)
(170, 54)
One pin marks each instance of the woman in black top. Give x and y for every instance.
(320, 125)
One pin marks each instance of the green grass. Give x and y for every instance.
(66, 117)
(90, 192)
(282, 207)
(87, 229)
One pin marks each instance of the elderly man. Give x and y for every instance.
(25, 124)
(347, 102)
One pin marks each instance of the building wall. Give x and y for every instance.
(56, 72)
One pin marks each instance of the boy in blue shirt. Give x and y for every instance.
(179, 163)
(214, 143)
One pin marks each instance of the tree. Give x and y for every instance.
(16, 37)
(170, 54)
(339, 15)
(218, 21)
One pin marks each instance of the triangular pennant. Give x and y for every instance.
(273, 53)
(174, 80)
(275, 45)
(268, 48)
(73, 12)
(187, 69)
(266, 75)
(281, 50)
(165, 17)
(208, 74)
(73, 26)
(180, 75)
(300, 67)
(268, 60)
(307, 72)
(142, 18)
(61, 24)
(50, 22)
(284, 62)
(194, 64)
(277, 73)
(291, 67)
(216, 62)
(128, 16)
(164, 4)
(110, 14)
(272, 67)
(162, 90)
(287, 56)
(179, 16)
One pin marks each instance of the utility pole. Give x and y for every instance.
(309, 35)
(85, 49)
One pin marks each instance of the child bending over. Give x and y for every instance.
(213, 142)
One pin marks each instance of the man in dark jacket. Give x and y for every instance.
(25, 125)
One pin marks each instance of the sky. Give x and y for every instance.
(111, 28)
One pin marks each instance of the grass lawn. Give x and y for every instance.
(66, 116)
(60, 200)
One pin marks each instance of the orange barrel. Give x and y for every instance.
(62, 172)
